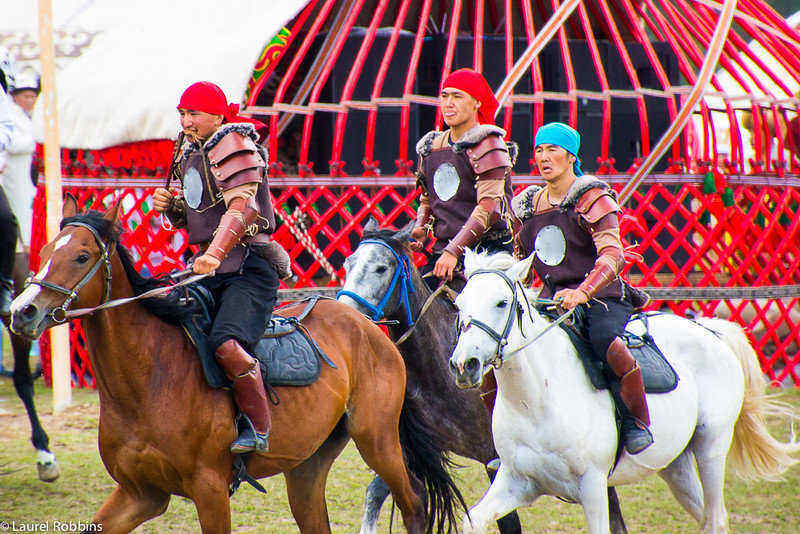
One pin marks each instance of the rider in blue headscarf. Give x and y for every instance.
(571, 225)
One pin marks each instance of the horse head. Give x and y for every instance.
(377, 271)
(74, 268)
(487, 307)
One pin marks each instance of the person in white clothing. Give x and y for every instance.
(16, 179)
(8, 223)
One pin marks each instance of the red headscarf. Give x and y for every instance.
(209, 98)
(474, 84)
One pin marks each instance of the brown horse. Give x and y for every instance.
(164, 431)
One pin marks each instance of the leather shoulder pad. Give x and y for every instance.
(235, 154)
(490, 153)
(596, 203)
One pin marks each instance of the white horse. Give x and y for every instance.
(556, 434)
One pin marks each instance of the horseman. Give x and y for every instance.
(465, 176)
(225, 206)
(572, 226)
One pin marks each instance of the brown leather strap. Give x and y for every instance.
(241, 214)
(469, 234)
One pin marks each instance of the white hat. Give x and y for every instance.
(27, 79)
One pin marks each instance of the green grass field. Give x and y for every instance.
(763, 507)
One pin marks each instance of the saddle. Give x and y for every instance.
(657, 373)
(287, 353)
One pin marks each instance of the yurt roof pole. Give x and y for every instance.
(536, 46)
(59, 335)
(714, 51)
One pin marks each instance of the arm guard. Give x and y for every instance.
(469, 234)
(232, 227)
(235, 160)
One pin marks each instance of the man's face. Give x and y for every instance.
(553, 161)
(457, 107)
(26, 98)
(199, 125)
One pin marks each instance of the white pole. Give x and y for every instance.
(59, 335)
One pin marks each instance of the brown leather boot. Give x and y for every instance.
(635, 434)
(250, 395)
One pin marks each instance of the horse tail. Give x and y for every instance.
(426, 459)
(754, 452)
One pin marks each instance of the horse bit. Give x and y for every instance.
(59, 314)
(502, 339)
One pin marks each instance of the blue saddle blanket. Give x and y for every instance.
(288, 354)
(657, 373)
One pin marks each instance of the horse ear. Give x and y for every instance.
(113, 213)
(469, 262)
(70, 206)
(404, 234)
(371, 226)
(519, 271)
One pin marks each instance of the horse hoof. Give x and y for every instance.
(48, 472)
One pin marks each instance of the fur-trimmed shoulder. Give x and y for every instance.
(425, 145)
(582, 185)
(476, 134)
(522, 204)
(244, 128)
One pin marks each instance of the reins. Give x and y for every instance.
(516, 309)
(62, 313)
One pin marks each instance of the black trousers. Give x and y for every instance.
(245, 300)
(8, 237)
(604, 323)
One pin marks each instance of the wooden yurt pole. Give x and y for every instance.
(59, 335)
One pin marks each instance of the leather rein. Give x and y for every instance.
(515, 310)
(62, 312)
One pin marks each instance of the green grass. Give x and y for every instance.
(762, 507)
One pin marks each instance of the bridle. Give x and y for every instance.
(401, 279)
(515, 310)
(59, 314)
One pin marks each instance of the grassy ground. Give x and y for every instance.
(762, 507)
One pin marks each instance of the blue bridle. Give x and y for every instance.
(402, 274)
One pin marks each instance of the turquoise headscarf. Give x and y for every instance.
(558, 133)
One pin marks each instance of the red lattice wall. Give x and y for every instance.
(687, 237)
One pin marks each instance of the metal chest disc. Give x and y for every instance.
(550, 245)
(446, 181)
(192, 188)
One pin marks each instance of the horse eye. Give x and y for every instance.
(381, 269)
(502, 304)
(83, 258)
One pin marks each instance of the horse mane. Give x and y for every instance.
(387, 235)
(501, 261)
(166, 309)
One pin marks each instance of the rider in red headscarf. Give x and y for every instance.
(225, 206)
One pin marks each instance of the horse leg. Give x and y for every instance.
(593, 493)
(682, 478)
(377, 491)
(380, 448)
(212, 501)
(23, 383)
(123, 512)
(305, 484)
(711, 467)
(506, 494)
(508, 524)
(617, 522)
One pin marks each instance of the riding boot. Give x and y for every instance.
(251, 397)
(8, 245)
(636, 417)
(6, 296)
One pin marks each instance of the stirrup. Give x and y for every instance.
(635, 435)
(249, 440)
